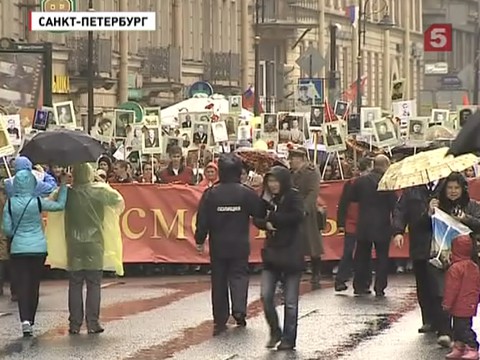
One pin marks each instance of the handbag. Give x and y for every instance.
(10, 239)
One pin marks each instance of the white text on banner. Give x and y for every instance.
(92, 21)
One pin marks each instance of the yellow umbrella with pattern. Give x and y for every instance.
(423, 168)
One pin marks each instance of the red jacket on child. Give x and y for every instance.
(462, 281)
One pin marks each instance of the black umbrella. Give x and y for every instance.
(468, 139)
(62, 147)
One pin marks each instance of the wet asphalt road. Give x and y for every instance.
(160, 318)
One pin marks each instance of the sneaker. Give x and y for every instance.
(27, 329)
(275, 338)
(457, 352)
(444, 341)
(470, 353)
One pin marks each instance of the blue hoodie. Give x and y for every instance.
(29, 238)
(43, 188)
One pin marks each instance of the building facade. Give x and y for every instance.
(450, 75)
(288, 28)
(213, 40)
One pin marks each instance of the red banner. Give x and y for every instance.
(159, 222)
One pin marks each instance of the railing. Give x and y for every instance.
(162, 62)
(290, 12)
(222, 66)
(78, 55)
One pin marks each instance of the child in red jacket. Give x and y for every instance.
(461, 298)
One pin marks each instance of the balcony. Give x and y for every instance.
(77, 66)
(221, 67)
(288, 14)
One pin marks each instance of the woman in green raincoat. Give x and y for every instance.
(85, 240)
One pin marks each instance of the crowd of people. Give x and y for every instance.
(283, 203)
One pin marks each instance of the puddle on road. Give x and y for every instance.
(371, 328)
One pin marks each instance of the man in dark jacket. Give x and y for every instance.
(347, 217)
(375, 209)
(412, 211)
(224, 216)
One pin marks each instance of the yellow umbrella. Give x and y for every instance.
(424, 167)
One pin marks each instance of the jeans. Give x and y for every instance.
(93, 280)
(291, 283)
(345, 269)
(27, 272)
(463, 332)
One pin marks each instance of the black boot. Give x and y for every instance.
(315, 280)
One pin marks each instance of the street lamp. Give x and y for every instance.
(256, 94)
(385, 23)
(90, 76)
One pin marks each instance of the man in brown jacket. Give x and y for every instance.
(306, 179)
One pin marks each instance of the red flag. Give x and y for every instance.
(329, 115)
(351, 93)
(465, 100)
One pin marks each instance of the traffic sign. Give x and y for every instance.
(311, 61)
(438, 38)
(58, 6)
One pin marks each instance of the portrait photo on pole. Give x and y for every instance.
(316, 117)
(367, 116)
(417, 129)
(235, 104)
(205, 117)
(103, 130)
(185, 120)
(244, 133)
(404, 109)
(14, 129)
(269, 123)
(123, 118)
(40, 119)
(134, 137)
(463, 113)
(219, 131)
(151, 120)
(65, 114)
(151, 140)
(231, 122)
(201, 133)
(186, 136)
(398, 90)
(284, 132)
(384, 133)
(341, 108)
(298, 128)
(170, 141)
(6, 148)
(439, 117)
(334, 136)
(153, 111)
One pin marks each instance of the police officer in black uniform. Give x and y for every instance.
(224, 216)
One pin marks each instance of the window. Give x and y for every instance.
(197, 31)
(234, 43)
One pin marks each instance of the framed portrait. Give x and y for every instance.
(269, 123)
(6, 148)
(169, 141)
(205, 117)
(14, 129)
(235, 104)
(417, 129)
(298, 128)
(200, 133)
(40, 119)
(51, 121)
(219, 132)
(153, 111)
(103, 129)
(316, 117)
(244, 133)
(398, 90)
(341, 108)
(65, 114)
(334, 136)
(185, 119)
(463, 113)
(384, 132)
(404, 109)
(134, 137)
(439, 117)
(231, 123)
(123, 118)
(367, 116)
(151, 140)
(186, 136)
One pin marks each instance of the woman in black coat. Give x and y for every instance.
(282, 254)
(453, 198)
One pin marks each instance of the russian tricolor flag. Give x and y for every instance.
(352, 12)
